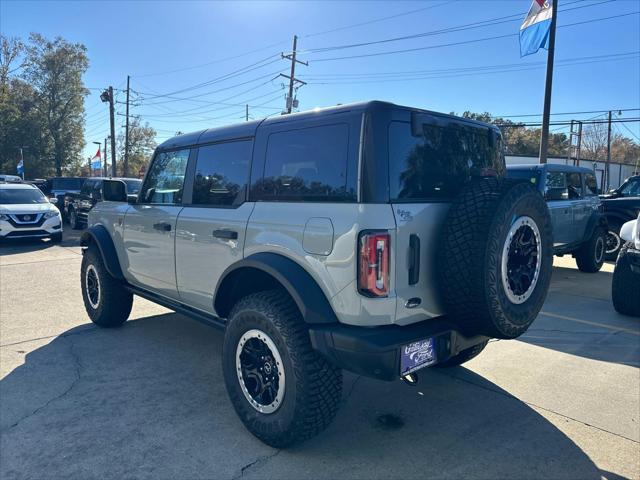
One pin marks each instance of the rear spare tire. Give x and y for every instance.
(496, 259)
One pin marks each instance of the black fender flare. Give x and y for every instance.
(595, 221)
(98, 235)
(299, 284)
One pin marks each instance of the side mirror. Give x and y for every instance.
(556, 194)
(114, 191)
(53, 200)
(132, 199)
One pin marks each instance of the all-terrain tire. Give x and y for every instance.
(74, 222)
(474, 239)
(463, 356)
(625, 286)
(111, 306)
(613, 241)
(590, 255)
(312, 386)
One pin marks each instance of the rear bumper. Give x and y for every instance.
(375, 351)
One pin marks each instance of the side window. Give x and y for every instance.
(631, 189)
(165, 180)
(222, 172)
(556, 186)
(97, 189)
(574, 185)
(87, 187)
(306, 164)
(590, 184)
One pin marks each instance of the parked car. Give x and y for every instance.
(41, 183)
(365, 237)
(10, 179)
(77, 205)
(625, 287)
(620, 205)
(579, 228)
(58, 187)
(25, 212)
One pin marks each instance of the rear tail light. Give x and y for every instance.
(373, 263)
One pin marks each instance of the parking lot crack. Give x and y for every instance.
(77, 369)
(257, 463)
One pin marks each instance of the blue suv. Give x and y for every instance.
(571, 193)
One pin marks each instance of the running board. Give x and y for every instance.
(178, 307)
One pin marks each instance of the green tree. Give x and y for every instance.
(142, 142)
(54, 68)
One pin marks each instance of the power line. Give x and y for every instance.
(465, 42)
(601, 112)
(233, 74)
(469, 71)
(193, 67)
(459, 28)
(586, 122)
(369, 22)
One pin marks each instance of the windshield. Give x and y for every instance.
(66, 183)
(133, 186)
(630, 188)
(21, 196)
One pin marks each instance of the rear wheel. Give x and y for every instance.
(283, 391)
(625, 286)
(106, 301)
(590, 255)
(496, 257)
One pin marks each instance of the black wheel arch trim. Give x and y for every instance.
(297, 282)
(595, 221)
(99, 235)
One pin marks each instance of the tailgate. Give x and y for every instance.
(418, 226)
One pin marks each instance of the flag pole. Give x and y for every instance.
(544, 137)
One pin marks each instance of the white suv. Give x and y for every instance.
(25, 212)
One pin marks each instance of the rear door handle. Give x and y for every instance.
(162, 226)
(226, 234)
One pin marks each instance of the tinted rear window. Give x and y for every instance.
(306, 164)
(66, 183)
(437, 163)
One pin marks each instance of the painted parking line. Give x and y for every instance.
(593, 324)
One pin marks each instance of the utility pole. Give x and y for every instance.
(107, 96)
(126, 135)
(544, 137)
(292, 77)
(105, 167)
(607, 168)
(246, 114)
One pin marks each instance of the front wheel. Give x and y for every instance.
(283, 391)
(625, 286)
(613, 242)
(106, 301)
(590, 255)
(74, 222)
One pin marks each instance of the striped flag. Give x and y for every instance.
(96, 161)
(20, 167)
(534, 32)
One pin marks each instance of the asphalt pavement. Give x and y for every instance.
(148, 401)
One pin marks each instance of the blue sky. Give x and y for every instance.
(171, 46)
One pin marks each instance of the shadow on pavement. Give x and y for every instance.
(578, 318)
(148, 400)
(70, 238)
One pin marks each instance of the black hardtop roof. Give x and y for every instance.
(248, 129)
(550, 166)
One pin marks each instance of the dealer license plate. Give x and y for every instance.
(417, 355)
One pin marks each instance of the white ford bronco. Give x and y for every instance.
(370, 237)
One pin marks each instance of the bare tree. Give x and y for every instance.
(594, 141)
(10, 51)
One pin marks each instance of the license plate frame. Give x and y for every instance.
(417, 355)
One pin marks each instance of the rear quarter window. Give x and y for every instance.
(306, 164)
